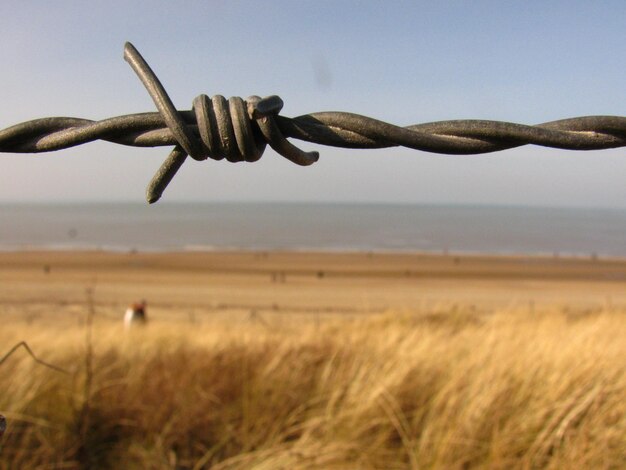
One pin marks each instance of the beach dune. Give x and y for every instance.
(313, 361)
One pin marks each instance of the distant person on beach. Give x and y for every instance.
(135, 314)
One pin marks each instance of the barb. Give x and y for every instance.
(31, 354)
(239, 130)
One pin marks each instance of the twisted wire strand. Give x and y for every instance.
(239, 130)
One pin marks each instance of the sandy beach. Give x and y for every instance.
(194, 284)
(313, 361)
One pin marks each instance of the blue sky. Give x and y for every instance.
(403, 62)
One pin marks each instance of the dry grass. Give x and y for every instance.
(428, 390)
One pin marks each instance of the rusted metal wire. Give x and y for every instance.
(239, 130)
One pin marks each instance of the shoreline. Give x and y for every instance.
(112, 249)
(410, 229)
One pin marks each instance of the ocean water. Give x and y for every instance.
(285, 226)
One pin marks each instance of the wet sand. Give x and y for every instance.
(194, 285)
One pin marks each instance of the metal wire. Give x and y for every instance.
(239, 130)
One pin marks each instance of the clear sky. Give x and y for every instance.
(403, 62)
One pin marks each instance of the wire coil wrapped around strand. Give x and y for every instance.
(239, 130)
(225, 128)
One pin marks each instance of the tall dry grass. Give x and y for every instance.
(426, 390)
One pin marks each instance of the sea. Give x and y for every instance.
(315, 227)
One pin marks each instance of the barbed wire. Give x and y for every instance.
(239, 130)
